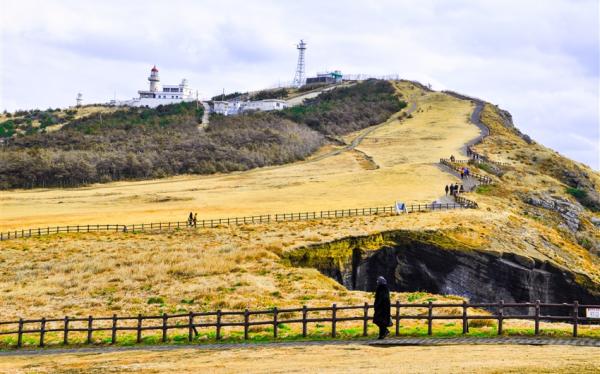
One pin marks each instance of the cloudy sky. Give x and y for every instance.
(537, 59)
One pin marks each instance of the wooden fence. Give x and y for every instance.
(189, 323)
(466, 202)
(210, 223)
(484, 179)
(478, 158)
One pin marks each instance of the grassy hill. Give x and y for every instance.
(141, 143)
(538, 215)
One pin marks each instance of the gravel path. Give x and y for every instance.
(390, 342)
(205, 116)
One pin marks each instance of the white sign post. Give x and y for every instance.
(400, 207)
(592, 313)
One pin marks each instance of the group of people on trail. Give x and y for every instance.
(192, 219)
(454, 189)
(473, 155)
(464, 172)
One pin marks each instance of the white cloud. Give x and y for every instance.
(537, 59)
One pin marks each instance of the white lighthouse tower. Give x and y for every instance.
(154, 80)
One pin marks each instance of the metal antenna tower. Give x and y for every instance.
(300, 75)
(79, 99)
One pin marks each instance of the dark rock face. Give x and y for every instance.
(478, 275)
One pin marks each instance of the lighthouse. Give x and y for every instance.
(154, 80)
(160, 94)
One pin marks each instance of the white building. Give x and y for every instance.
(159, 94)
(228, 108)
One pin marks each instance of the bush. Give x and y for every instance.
(141, 143)
(576, 193)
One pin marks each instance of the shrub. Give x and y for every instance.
(576, 193)
(156, 300)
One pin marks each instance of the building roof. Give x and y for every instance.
(154, 68)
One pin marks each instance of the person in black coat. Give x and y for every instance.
(382, 317)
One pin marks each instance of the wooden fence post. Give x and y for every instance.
(218, 324)
(537, 318)
(246, 323)
(333, 320)
(397, 317)
(465, 320)
(429, 319)
(42, 331)
(365, 318)
(89, 330)
(191, 327)
(304, 314)
(20, 333)
(575, 317)
(138, 337)
(275, 322)
(66, 331)
(113, 338)
(164, 327)
(500, 316)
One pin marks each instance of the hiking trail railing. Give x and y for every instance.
(187, 324)
(478, 158)
(484, 179)
(211, 223)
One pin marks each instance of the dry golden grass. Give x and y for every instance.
(405, 150)
(327, 359)
(227, 267)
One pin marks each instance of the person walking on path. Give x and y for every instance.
(447, 189)
(452, 158)
(382, 317)
(462, 189)
(195, 219)
(190, 219)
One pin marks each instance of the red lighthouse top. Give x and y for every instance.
(154, 68)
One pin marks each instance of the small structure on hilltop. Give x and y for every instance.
(158, 94)
(234, 107)
(79, 100)
(327, 77)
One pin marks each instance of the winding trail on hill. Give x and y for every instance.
(356, 141)
(469, 183)
(391, 342)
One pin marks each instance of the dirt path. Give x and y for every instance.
(391, 342)
(339, 357)
(205, 116)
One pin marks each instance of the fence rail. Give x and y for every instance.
(190, 322)
(484, 179)
(211, 223)
(478, 158)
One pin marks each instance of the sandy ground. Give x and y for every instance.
(406, 152)
(322, 359)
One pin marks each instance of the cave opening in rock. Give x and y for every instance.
(418, 263)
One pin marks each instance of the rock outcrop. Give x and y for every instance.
(570, 212)
(411, 264)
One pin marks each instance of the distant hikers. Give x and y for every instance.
(195, 219)
(382, 317)
(447, 189)
(452, 158)
(191, 219)
(462, 189)
(462, 173)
